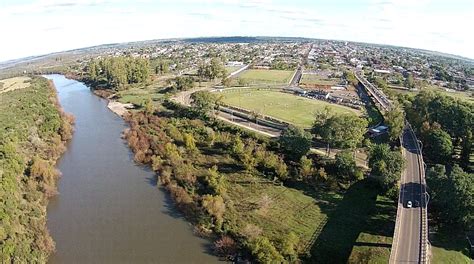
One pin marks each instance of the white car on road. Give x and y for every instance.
(409, 204)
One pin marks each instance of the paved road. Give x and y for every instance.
(410, 236)
(407, 247)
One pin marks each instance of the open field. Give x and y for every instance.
(287, 107)
(289, 210)
(14, 83)
(314, 79)
(231, 69)
(266, 76)
(467, 96)
(137, 96)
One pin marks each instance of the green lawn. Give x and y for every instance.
(287, 107)
(289, 210)
(231, 69)
(312, 79)
(266, 76)
(357, 230)
(373, 244)
(449, 246)
(138, 95)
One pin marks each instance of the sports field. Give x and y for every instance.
(287, 107)
(314, 79)
(266, 76)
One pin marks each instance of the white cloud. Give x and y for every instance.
(52, 25)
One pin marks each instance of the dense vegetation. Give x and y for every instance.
(445, 125)
(33, 130)
(236, 187)
(119, 71)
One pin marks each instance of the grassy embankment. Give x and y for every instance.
(253, 207)
(33, 131)
(287, 107)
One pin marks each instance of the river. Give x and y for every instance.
(109, 209)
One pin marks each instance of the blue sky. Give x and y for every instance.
(43, 26)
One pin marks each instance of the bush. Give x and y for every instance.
(226, 247)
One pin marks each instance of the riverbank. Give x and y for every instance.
(33, 134)
(110, 210)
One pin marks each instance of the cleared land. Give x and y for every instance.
(137, 96)
(287, 107)
(14, 83)
(314, 79)
(288, 210)
(266, 76)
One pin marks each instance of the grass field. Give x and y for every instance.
(231, 69)
(447, 246)
(373, 244)
(14, 83)
(289, 210)
(312, 79)
(287, 107)
(266, 76)
(469, 97)
(138, 95)
(358, 230)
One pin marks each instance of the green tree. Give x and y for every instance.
(183, 83)
(295, 142)
(215, 181)
(287, 247)
(344, 130)
(149, 107)
(409, 81)
(189, 142)
(350, 77)
(452, 195)
(345, 166)
(386, 165)
(439, 147)
(215, 206)
(306, 169)
(264, 251)
(204, 101)
(395, 120)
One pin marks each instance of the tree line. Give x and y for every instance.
(445, 125)
(119, 71)
(33, 131)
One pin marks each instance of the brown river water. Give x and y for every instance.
(109, 209)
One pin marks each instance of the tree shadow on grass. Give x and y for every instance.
(350, 218)
(451, 239)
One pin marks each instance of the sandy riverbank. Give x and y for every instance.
(119, 108)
